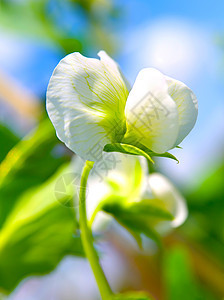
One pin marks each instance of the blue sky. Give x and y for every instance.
(204, 12)
(177, 37)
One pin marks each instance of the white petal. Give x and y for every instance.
(113, 66)
(187, 106)
(118, 175)
(126, 172)
(163, 190)
(85, 102)
(152, 117)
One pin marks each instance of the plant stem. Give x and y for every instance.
(87, 238)
(96, 210)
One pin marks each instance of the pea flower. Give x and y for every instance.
(136, 191)
(132, 196)
(89, 104)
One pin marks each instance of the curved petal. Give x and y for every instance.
(152, 117)
(85, 102)
(125, 174)
(113, 67)
(187, 106)
(164, 191)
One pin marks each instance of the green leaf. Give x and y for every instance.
(145, 209)
(132, 296)
(127, 149)
(137, 227)
(166, 154)
(151, 153)
(137, 217)
(138, 149)
(37, 233)
(8, 140)
(28, 164)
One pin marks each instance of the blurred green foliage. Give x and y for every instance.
(9, 139)
(37, 233)
(44, 20)
(205, 224)
(180, 279)
(37, 228)
(28, 164)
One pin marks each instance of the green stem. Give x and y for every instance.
(95, 212)
(87, 238)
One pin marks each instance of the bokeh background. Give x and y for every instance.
(184, 40)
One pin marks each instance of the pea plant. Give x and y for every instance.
(96, 113)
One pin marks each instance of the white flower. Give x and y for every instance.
(89, 105)
(134, 184)
(129, 183)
